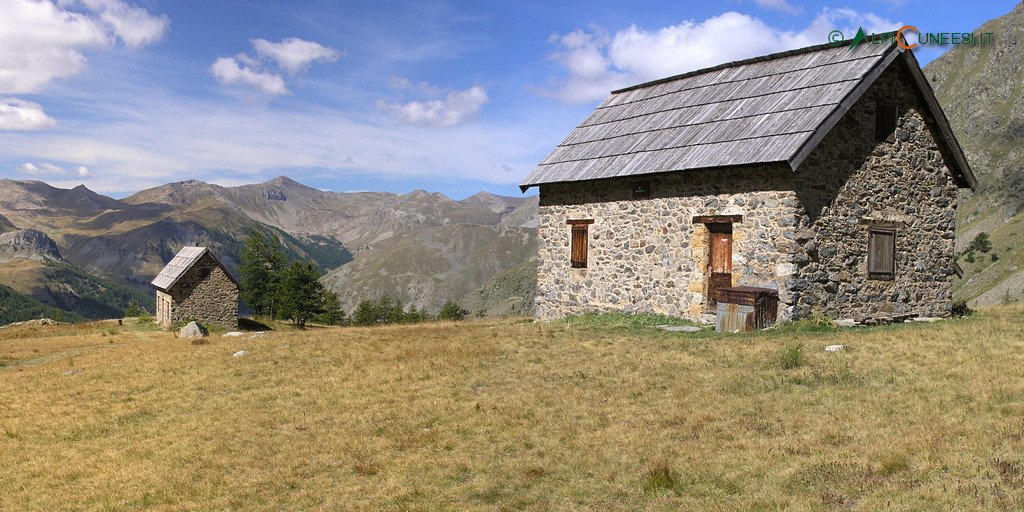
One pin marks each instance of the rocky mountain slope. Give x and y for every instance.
(38, 280)
(28, 244)
(420, 247)
(130, 242)
(981, 90)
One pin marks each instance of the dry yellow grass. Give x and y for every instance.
(513, 415)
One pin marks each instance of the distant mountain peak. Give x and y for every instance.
(283, 180)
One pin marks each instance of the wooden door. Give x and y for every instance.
(719, 262)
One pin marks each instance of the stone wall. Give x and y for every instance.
(851, 182)
(647, 255)
(164, 309)
(205, 294)
(802, 233)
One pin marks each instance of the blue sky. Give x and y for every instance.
(451, 97)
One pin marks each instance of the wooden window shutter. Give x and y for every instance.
(579, 242)
(882, 253)
(886, 116)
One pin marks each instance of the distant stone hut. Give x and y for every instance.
(195, 285)
(829, 174)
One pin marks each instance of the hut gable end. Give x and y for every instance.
(196, 286)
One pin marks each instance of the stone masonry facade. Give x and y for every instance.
(804, 234)
(205, 294)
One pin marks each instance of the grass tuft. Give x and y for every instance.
(659, 476)
(791, 355)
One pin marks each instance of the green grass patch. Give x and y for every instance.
(804, 325)
(624, 320)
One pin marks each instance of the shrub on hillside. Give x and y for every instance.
(981, 243)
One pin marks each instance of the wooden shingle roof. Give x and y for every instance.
(771, 109)
(180, 265)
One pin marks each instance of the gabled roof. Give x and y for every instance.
(181, 263)
(771, 109)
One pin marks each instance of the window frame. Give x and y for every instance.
(875, 235)
(579, 242)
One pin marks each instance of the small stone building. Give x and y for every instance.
(195, 285)
(827, 173)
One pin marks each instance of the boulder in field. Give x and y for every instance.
(193, 330)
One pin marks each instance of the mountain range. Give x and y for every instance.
(422, 248)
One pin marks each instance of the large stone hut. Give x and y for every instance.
(828, 173)
(195, 286)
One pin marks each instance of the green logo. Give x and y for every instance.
(859, 37)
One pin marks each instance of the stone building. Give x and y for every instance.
(195, 286)
(827, 173)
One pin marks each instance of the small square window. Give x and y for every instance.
(886, 116)
(641, 189)
(882, 253)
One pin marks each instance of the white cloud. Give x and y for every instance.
(30, 169)
(597, 62)
(18, 114)
(227, 71)
(251, 143)
(135, 26)
(458, 107)
(48, 169)
(41, 41)
(295, 55)
(779, 5)
(292, 55)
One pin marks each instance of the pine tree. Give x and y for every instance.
(452, 311)
(333, 314)
(300, 296)
(263, 260)
(365, 313)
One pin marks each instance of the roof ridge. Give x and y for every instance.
(182, 262)
(763, 58)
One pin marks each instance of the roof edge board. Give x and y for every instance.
(946, 135)
(524, 188)
(226, 271)
(843, 107)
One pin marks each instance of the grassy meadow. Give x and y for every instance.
(596, 413)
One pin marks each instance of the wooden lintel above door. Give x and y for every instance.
(717, 219)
